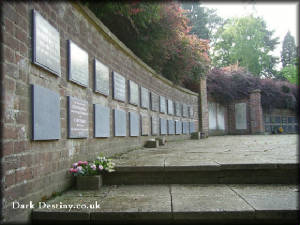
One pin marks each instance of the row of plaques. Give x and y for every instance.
(46, 53)
(280, 119)
(46, 119)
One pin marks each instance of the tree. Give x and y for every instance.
(289, 51)
(247, 42)
(291, 73)
(204, 21)
(158, 33)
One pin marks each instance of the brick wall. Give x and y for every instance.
(33, 169)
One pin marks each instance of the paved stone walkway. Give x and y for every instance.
(240, 149)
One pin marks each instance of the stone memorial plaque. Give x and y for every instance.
(285, 128)
(133, 92)
(154, 125)
(267, 119)
(171, 127)
(162, 104)
(291, 119)
(120, 123)
(101, 121)
(178, 109)
(268, 128)
(212, 115)
(185, 127)
(283, 119)
(163, 126)
(46, 44)
(78, 122)
(240, 116)
(134, 122)
(170, 107)
(144, 98)
(178, 127)
(45, 114)
(191, 111)
(277, 119)
(221, 117)
(78, 65)
(184, 110)
(290, 129)
(101, 76)
(192, 127)
(145, 122)
(119, 87)
(154, 102)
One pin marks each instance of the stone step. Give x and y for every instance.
(264, 173)
(171, 204)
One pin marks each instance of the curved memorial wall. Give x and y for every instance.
(71, 90)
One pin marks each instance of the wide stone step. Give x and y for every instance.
(240, 204)
(265, 173)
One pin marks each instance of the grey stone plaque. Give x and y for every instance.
(78, 119)
(144, 98)
(119, 87)
(101, 76)
(291, 119)
(78, 65)
(171, 127)
(191, 111)
(178, 109)
(291, 129)
(184, 110)
(154, 125)
(101, 121)
(145, 125)
(178, 127)
(185, 127)
(119, 123)
(163, 125)
(285, 128)
(46, 44)
(277, 119)
(268, 129)
(45, 114)
(267, 118)
(170, 107)
(154, 102)
(240, 116)
(133, 91)
(134, 120)
(284, 119)
(192, 127)
(162, 104)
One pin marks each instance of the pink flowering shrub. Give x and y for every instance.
(91, 168)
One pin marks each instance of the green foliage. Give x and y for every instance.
(247, 42)
(289, 52)
(291, 73)
(158, 33)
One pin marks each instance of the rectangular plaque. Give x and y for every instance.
(120, 123)
(221, 117)
(133, 91)
(277, 119)
(192, 126)
(240, 116)
(145, 122)
(134, 121)
(170, 107)
(144, 98)
(101, 121)
(163, 126)
(178, 109)
(154, 102)
(171, 127)
(291, 119)
(285, 128)
(212, 115)
(46, 44)
(178, 127)
(267, 119)
(191, 111)
(45, 114)
(290, 128)
(185, 127)
(78, 65)
(184, 110)
(162, 104)
(154, 125)
(268, 128)
(101, 76)
(78, 122)
(119, 87)
(284, 119)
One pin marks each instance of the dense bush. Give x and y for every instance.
(226, 86)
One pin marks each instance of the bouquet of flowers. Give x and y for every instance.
(90, 168)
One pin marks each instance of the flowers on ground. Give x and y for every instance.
(90, 168)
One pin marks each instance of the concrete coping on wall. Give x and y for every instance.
(110, 37)
(255, 91)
